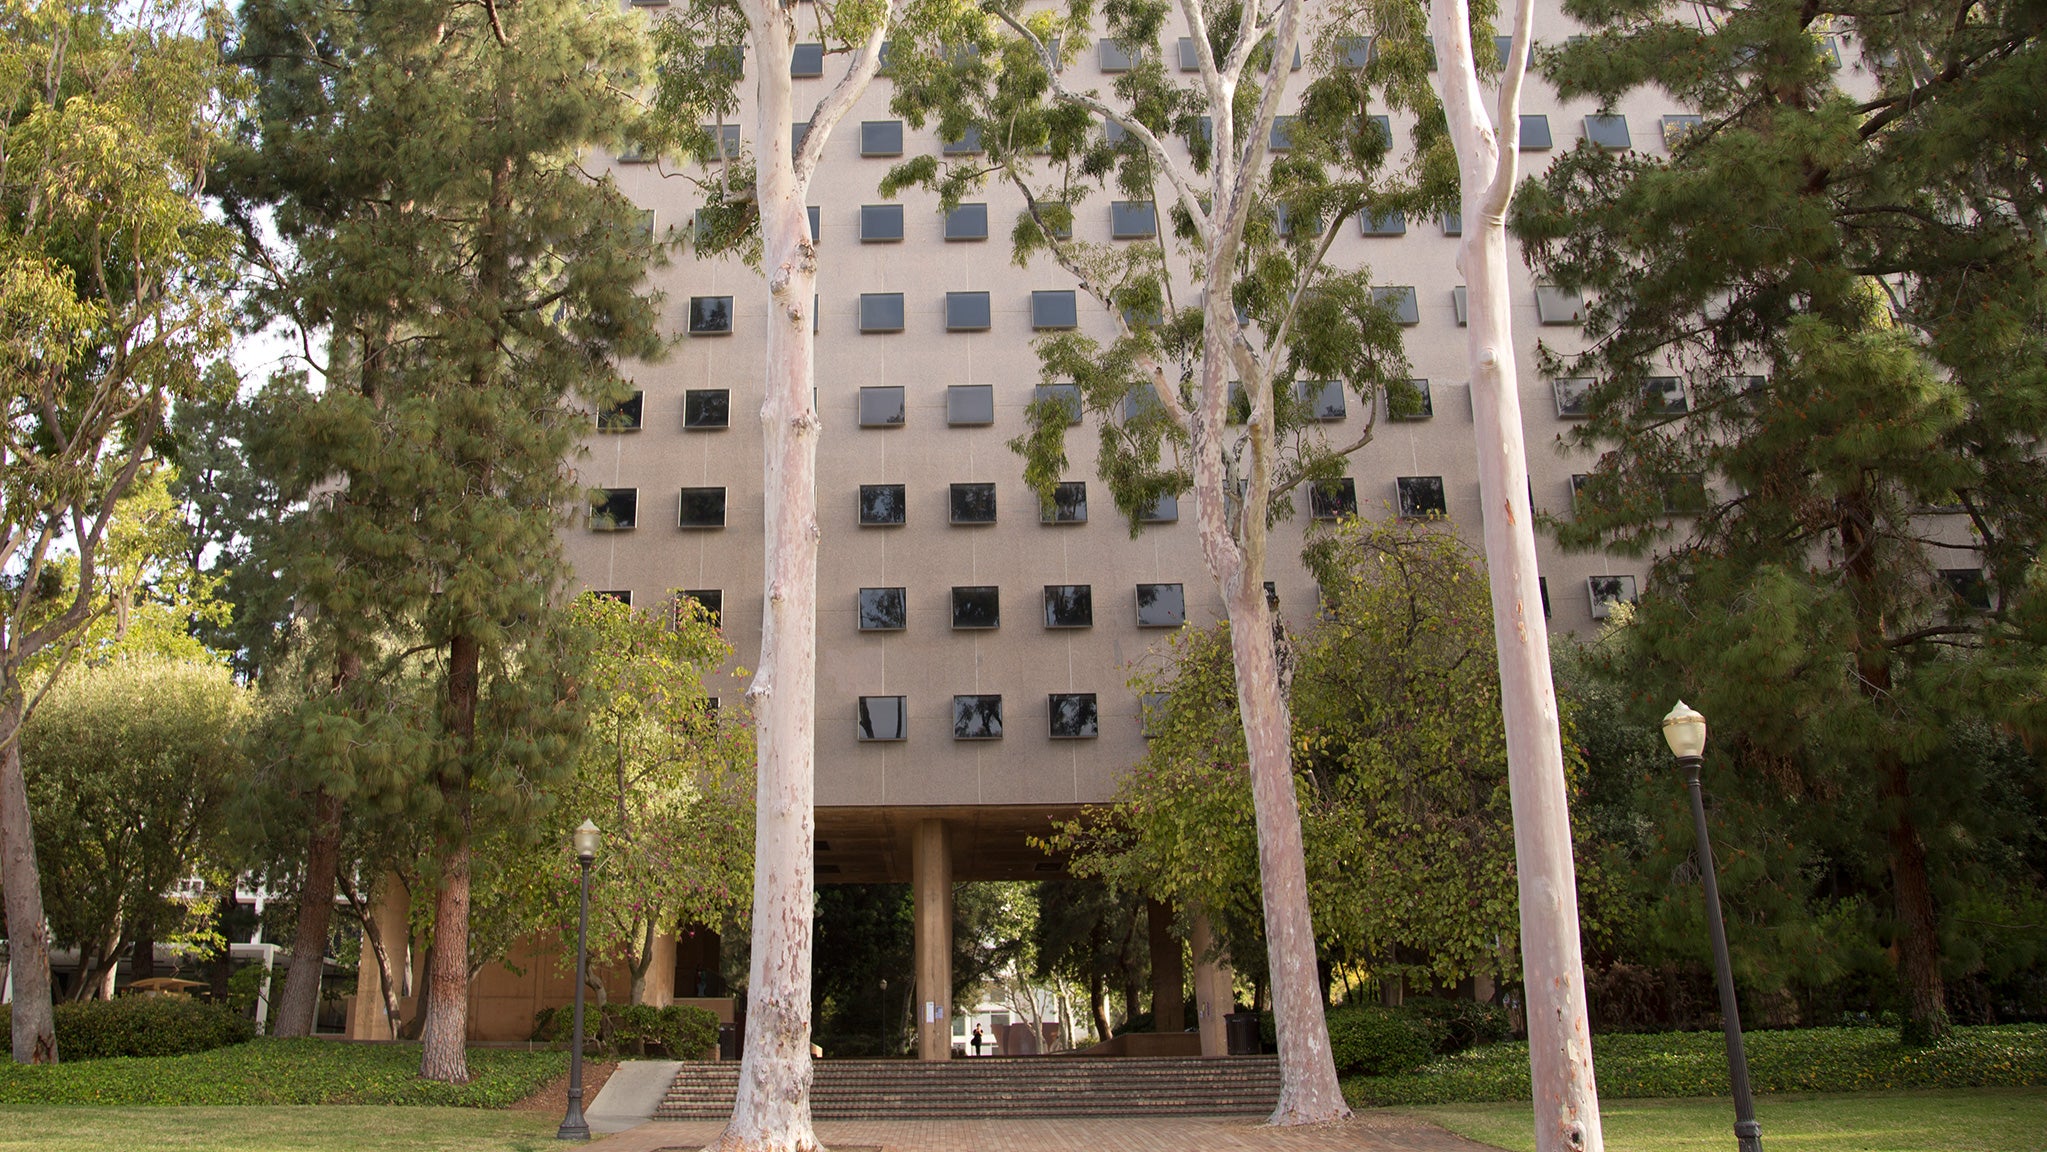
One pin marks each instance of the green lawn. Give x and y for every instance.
(1976, 1120)
(282, 1072)
(59, 1128)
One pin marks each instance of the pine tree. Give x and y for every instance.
(472, 283)
(1819, 400)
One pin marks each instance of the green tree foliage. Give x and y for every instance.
(112, 301)
(130, 764)
(1846, 502)
(1093, 936)
(1400, 767)
(421, 162)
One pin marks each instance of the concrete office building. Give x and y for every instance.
(973, 655)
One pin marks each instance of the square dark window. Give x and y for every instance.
(1409, 400)
(967, 312)
(1152, 710)
(1555, 306)
(1074, 716)
(1354, 51)
(882, 504)
(1535, 135)
(710, 315)
(1133, 220)
(724, 141)
(1676, 128)
(1607, 591)
(1421, 497)
(883, 407)
(1968, 586)
(807, 61)
(881, 223)
(1284, 223)
(1609, 132)
(1068, 504)
(967, 222)
(1281, 138)
(1504, 45)
(973, 503)
(621, 595)
(815, 224)
(1459, 303)
(1064, 394)
(1161, 605)
(797, 134)
(1054, 310)
(977, 717)
(967, 145)
(967, 404)
(1164, 510)
(1331, 499)
(881, 138)
(1665, 396)
(1452, 223)
(1542, 587)
(1580, 502)
(1113, 57)
(1069, 606)
(702, 508)
(707, 408)
(977, 606)
(614, 509)
(1391, 224)
(1400, 302)
(1057, 217)
(1323, 398)
(623, 416)
(881, 311)
(1574, 396)
(1190, 56)
(710, 603)
(883, 610)
(1684, 494)
(1114, 132)
(881, 718)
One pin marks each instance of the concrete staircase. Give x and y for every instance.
(998, 1088)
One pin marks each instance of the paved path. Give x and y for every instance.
(631, 1094)
(1366, 1132)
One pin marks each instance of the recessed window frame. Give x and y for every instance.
(1573, 396)
(881, 719)
(969, 312)
(1421, 497)
(881, 137)
(881, 312)
(967, 222)
(706, 409)
(969, 405)
(1603, 592)
(1067, 505)
(627, 415)
(979, 605)
(881, 223)
(712, 600)
(1535, 133)
(1073, 716)
(618, 511)
(806, 61)
(881, 609)
(1555, 307)
(1325, 400)
(884, 406)
(700, 499)
(1609, 132)
(1333, 500)
(1400, 299)
(710, 316)
(1426, 408)
(1394, 223)
(877, 501)
(1055, 309)
(977, 717)
(1164, 510)
(1067, 394)
(972, 496)
(1133, 220)
(1113, 58)
(1161, 605)
(1069, 606)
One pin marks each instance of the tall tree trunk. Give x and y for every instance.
(142, 958)
(299, 1008)
(1098, 1006)
(28, 930)
(1559, 1033)
(444, 1057)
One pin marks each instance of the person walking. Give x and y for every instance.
(978, 1040)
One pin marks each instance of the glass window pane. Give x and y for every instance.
(1665, 396)
(1422, 497)
(883, 610)
(967, 222)
(706, 408)
(1164, 510)
(881, 718)
(977, 717)
(807, 61)
(1458, 304)
(623, 416)
(1410, 400)
(1535, 135)
(1152, 712)
(967, 145)
(1054, 310)
(1401, 302)
(1069, 606)
(881, 138)
(882, 407)
(882, 504)
(1574, 396)
(1607, 591)
(881, 312)
(970, 404)
(1553, 305)
(1391, 224)
(1190, 56)
(880, 222)
(1068, 504)
(1073, 716)
(967, 312)
(614, 509)
(1133, 220)
(1161, 605)
(977, 606)
(973, 503)
(702, 508)
(1610, 132)
(1281, 138)
(1113, 57)
(1332, 499)
(1066, 394)
(710, 315)
(710, 603)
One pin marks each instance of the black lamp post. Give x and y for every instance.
(1685, 731)
(574, 1127)
(881, 1037)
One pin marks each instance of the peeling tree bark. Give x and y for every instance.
(28, 929)
(1559, 1036)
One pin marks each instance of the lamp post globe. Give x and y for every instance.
(586, 839)
(1684, 729)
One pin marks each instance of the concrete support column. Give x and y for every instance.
(1214, 987)
(932, 864)
(391, 913)
(1168, 971)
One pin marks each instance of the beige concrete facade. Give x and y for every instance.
(1023, 661)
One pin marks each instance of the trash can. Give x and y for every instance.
(728, 1042)
(1241, 1029)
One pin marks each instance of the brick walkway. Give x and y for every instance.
(1367, 1132)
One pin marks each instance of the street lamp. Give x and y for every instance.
(1684, 729)
(574, 1127)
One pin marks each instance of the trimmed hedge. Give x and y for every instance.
(283, 1072)
(142, 1026)
(1675, 1064)
(1372, 1040)
(684, 1031)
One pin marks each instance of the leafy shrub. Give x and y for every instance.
(683, 1031)
(142, 1026)
(1695, 1064)
(1380, 1041)
(282, 1072)
(1461, 1024)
